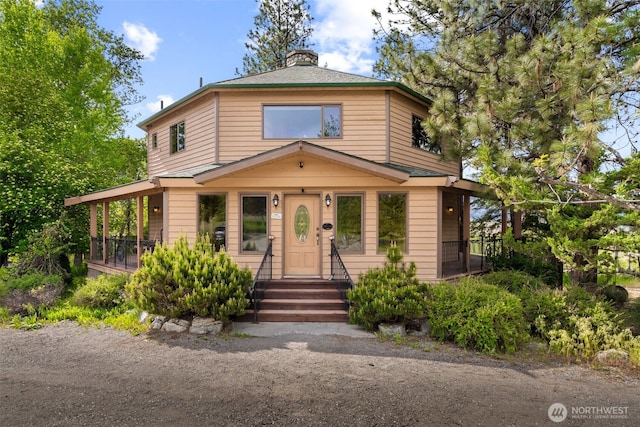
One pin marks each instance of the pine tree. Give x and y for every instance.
(523, 91)
(280, 27)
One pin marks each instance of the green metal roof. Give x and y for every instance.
(297, 76)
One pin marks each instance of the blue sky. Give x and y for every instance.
(184, 40)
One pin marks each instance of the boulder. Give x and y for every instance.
(202, 326)
(392, 330)
(158, 321)
(419, 328)
(176, 325)
(612, 357)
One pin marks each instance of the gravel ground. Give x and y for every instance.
(66, 375)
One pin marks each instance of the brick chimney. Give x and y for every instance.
(302, 57)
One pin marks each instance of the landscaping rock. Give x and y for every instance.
(612, 357)
(392, 329)
(157, 323)
(419, 328)
(202, 326)
(176, 325)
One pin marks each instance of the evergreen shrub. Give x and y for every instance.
(477, 315)
(105, 291)
(391, 294)
(185, 281)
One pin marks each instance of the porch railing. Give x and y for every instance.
(261, 281)
(121, 252)
(339, 273)
(454, 254)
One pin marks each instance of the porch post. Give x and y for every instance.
(466, 230)
(93, 229)
(140, 228)
(105, 232)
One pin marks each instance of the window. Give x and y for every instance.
(420, 139)
(176, 137)
(302, 121)
(212, 210)
(254, 223)
(349, 223)
(154, 141)
(392, 220)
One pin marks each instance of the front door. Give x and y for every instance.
(302, 235)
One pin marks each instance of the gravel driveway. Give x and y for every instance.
(66, 375)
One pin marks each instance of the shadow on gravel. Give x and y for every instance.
(410, 348)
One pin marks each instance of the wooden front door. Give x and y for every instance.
(302, 235)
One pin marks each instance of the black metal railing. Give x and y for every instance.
(120, 251)
(339, 273)
(261, 281)
(454, 255)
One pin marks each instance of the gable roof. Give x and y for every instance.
(296, 76)
(394, 174)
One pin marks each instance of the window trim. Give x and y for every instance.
(363, 219)
(184, 147)
(241, 197)
(322, 112)
(405, 250)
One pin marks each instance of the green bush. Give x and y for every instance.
(477, 315)
(514, 281)
(391, 294)
(183, 281)
(105, 291)
(546, 272)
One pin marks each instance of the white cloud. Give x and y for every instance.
(343, 34)
(142, 39)
(154, 106)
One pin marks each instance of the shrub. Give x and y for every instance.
(391, 294)
(105, 291)
(477, 315)
(514, 281)
(183, 281)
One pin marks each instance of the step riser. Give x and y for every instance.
(295, 317)
(296, 305)
(302, 294)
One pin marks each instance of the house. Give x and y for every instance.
(311, 164)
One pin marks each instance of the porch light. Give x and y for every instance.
(450, 209)
(156, 209)
(327, 200)
(275, 200)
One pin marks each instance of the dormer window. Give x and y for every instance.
(176, 137)
(420, 139)
(302, 121)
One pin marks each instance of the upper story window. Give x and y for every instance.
(420, 139)
(302, 121)
(154, 141)
(176, 137)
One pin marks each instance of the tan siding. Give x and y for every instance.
(241, 122)
(199, 119)
(401, 151)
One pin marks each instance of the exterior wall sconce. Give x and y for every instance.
(327, 200)
(301, 164)
(450, 209)
(156, 209)
(276, 200)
